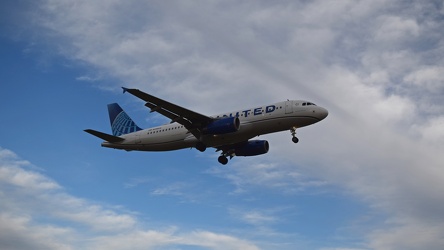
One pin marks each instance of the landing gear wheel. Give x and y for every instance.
(293, 133)
(222, 160)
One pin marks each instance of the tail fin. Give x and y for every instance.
(121, 123)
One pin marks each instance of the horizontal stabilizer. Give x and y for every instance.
(106, 137)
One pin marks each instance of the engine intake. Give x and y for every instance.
(253, 147)
(223, 126)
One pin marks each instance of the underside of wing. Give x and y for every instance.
(193, 121)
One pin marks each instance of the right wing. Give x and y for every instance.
(191, 120)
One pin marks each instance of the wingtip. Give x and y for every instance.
(124, 89)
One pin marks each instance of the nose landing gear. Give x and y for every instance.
(293, 133)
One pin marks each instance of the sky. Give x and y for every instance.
(369, 176)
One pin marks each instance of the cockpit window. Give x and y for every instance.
(308, 104)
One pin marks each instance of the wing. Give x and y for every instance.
(191, 120)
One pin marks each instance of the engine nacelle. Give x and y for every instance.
(251, 148)
(222, 126)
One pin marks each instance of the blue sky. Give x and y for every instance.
(369, 176)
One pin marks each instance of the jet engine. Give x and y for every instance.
(251, 148)
(222, 126)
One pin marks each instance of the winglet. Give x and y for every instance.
(124, 90)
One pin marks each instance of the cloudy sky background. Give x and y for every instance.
(370, 176)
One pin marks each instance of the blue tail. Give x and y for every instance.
(121, 123)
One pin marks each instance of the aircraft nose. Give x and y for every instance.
(322, 113)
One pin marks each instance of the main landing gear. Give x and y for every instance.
(223, 159)
(293, 133)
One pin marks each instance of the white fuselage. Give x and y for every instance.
(253, 122)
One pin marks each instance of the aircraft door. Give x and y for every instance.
(288, 107)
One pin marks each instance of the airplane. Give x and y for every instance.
(229, 133)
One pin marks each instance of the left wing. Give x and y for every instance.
(193, 121)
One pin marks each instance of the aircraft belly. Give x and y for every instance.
(165, 143)
(153, 143)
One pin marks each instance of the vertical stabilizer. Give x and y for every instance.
(121, 123)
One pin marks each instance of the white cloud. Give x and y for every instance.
(409, 235)
(253, 173)
(216, 241)
(165, 240)
(18, 177)
(430, 78)
(341, 248)
(134, 182)
(255, 217)
(34, 214)
(19, 232)
(433, 130)
(172, 189)
(394, 29)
